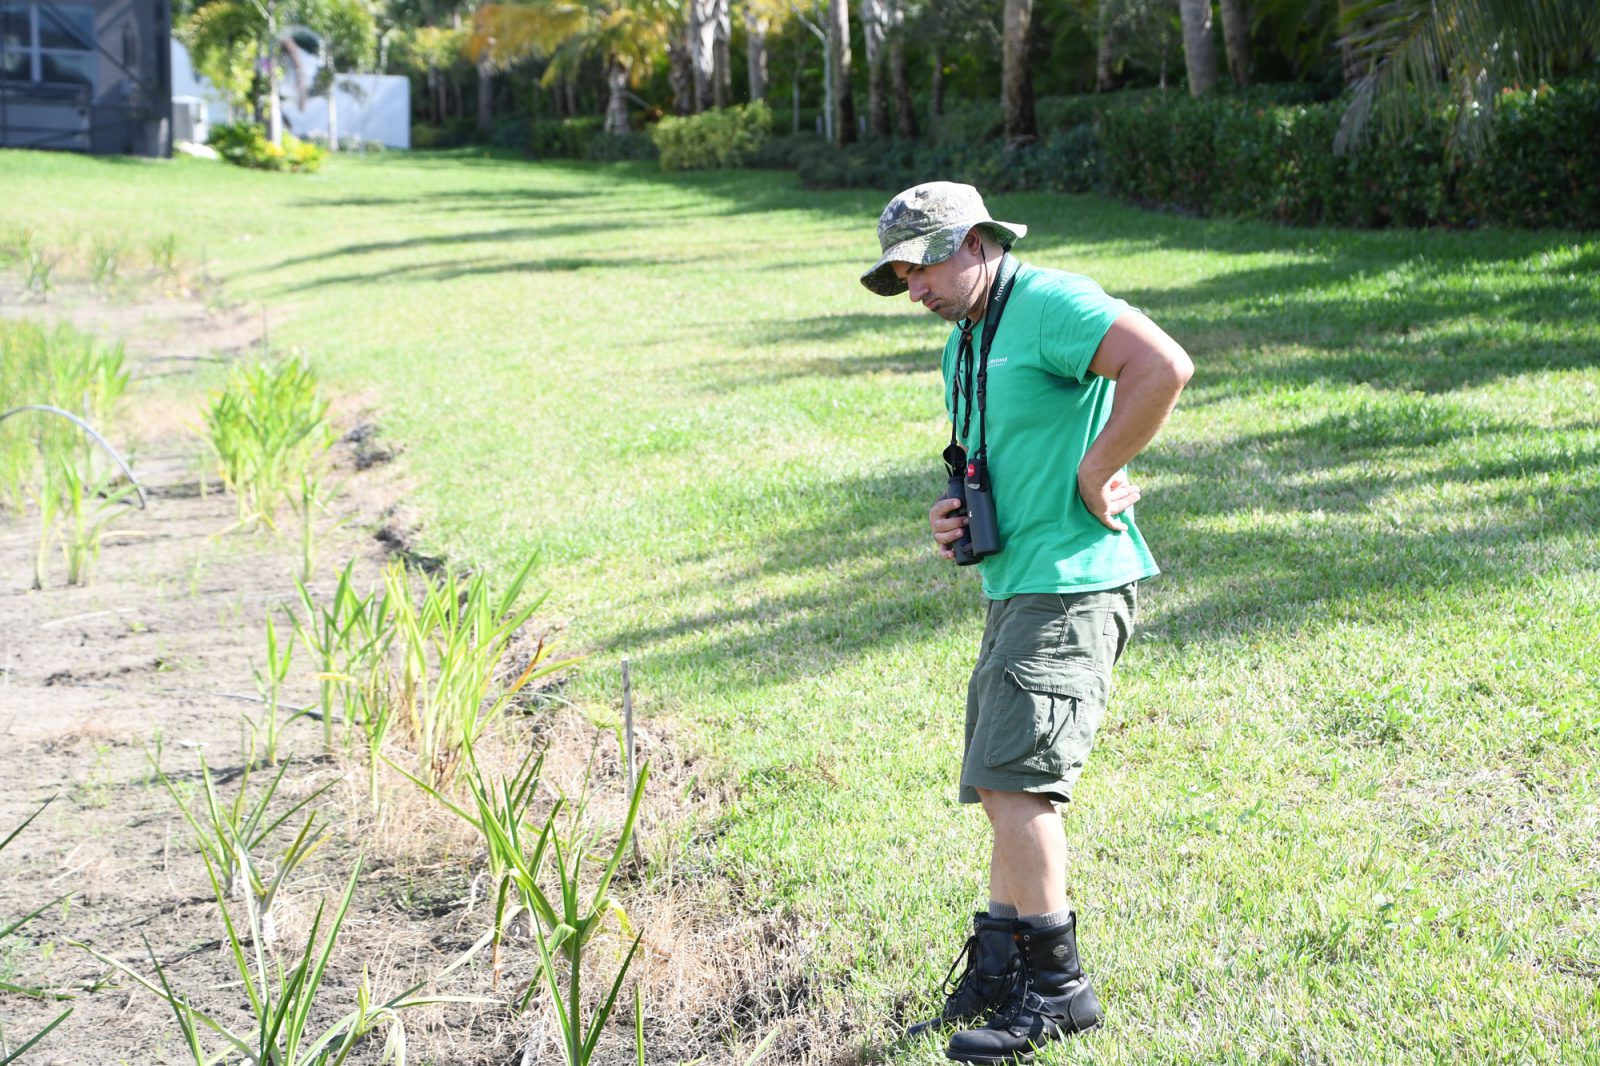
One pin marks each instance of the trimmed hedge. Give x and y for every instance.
(725, 137)
(1264, 154)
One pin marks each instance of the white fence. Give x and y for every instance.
(374, 108)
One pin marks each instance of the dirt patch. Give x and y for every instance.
(151, 664)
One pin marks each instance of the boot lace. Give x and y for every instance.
(969, 955)
(1013, 997)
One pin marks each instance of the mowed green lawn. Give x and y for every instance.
(1346, 806)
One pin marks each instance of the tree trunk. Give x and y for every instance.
(617, 102)
(680, 73)
(1016, 78)
(274, 114)
(333, 111)
(844, 106)
(936, 83)
(799, 69)
(702, 43)
(874, 26)
(721, 60)
(1236, 39)
(755, 52)
(1107, 28)
(570, 90)
(1199, 52)
(905, 114)
(485, 94)
(825, 36)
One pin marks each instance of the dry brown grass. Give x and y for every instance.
(166, 644)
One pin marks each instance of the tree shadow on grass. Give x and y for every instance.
(476, 199)
(863, 576)
(452, 269)
(449, 240)
(1476, 337)
(868, 525)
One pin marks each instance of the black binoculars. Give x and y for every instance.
(981, 537)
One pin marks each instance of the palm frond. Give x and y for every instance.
(1415, 53)
(507, 33)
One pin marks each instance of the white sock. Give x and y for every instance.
(1048, 921)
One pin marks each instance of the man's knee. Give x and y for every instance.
(997, 803)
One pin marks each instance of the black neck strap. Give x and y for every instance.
(970, 383)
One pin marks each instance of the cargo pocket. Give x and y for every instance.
(1045, 713)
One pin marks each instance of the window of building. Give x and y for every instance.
(47, 42)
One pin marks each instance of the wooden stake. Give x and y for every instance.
(629, 756)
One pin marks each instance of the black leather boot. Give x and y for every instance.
(987, 953)
(1048, 998)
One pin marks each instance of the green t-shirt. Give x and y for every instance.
(1044, 410)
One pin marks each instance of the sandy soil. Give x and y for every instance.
(152, 663)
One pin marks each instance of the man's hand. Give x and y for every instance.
(1107, 497)
(947, 528)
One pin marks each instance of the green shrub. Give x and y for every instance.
(785, 152)
(968, 122)
(245, 144)
(510, 131)
(1250, 157)
(725, 137)
(1545, 158)
(451, 134)
(1264, 153)
(562, 138)
(615, 147)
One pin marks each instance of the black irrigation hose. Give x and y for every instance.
(87, 428)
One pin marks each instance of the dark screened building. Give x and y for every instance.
(86, 76)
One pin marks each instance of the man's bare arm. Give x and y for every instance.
(1150, 369)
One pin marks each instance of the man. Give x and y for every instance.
(1050, 398)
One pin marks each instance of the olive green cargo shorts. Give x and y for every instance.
(1038, 693)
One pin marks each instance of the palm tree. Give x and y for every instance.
(1016, 77)
(349, 38)
(1199, 52)
(222, 33)
(844, 104)
(874, 15)
(1463, 51)
(762, 19)
(905, 116)
(1236, 38)
(221, 38)
(627, 35)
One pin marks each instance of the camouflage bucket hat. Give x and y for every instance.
(925, 225)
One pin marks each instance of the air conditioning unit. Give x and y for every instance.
(189, 120)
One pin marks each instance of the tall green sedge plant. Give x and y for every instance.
(7, 1053)
(452, 643)
(105, 261)
(349, 637)
(503, 801)
(269, 683)
(566, 917)
(309, 499)
(47, 497)
(58, 367)
(38, 266)
(268, 428)
(569, 918)
(283, 998)
(88, 511)
(232, 839)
